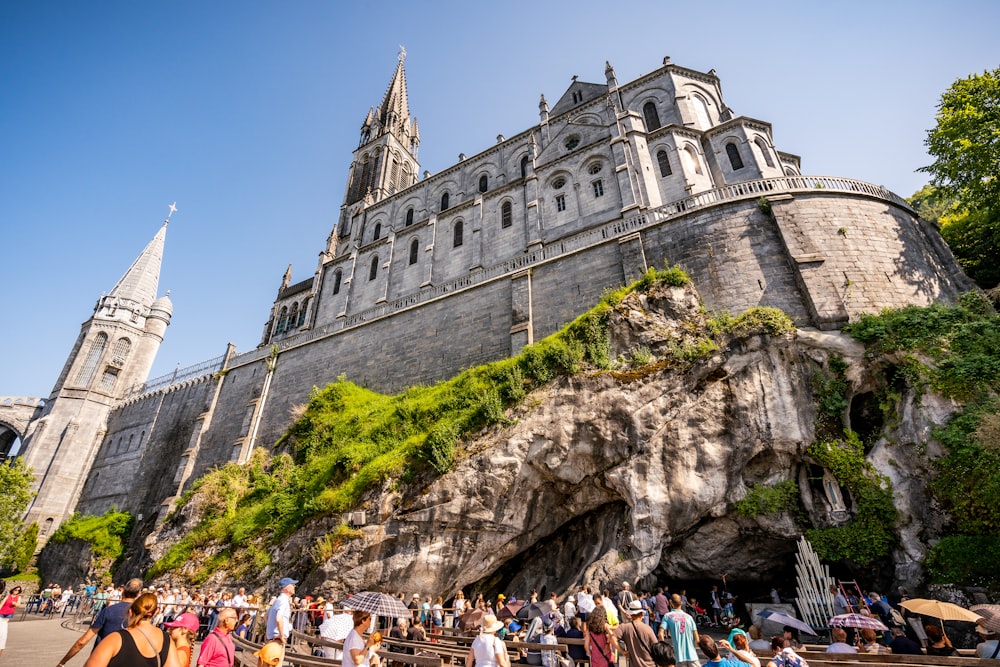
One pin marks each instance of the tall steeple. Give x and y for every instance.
(113, 353)
(385, 161)
(139, 283)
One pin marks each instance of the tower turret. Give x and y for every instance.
(114, 351)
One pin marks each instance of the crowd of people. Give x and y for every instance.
(135, 625)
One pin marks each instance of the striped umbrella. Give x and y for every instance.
(377, 604)
(857, 621)
(990, 614)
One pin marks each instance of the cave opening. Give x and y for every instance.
(866, 418)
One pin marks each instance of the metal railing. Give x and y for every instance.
(179, 375)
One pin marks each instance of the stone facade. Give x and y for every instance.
(421, 278)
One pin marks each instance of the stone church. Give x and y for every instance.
(425, 274)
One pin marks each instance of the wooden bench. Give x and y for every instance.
(824, 659)
(295, 658)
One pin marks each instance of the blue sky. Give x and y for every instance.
(245, 113)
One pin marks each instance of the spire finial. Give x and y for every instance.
(173, 209)
(402, 53)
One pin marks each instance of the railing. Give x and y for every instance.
(176, 377)
(589, 238)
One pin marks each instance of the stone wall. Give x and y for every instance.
(821, 257)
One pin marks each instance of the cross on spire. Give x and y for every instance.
(402, 53)
(173, 209)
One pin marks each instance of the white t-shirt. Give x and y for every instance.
(354, 641)
(485, 647)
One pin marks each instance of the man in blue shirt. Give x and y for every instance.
(279, 614)
(111, 618)
(683, 633)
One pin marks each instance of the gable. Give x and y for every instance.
(586, 92)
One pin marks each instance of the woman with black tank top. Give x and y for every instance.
(142, 644)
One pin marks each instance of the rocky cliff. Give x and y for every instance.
(635, 473)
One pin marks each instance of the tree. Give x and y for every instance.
(966, 201)
(966, 142)
(15, 480)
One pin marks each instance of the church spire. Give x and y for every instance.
(393, 115)
(140, 282)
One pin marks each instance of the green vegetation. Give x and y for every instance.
(870, 535)
(764, 499)
(350, 440)
(955, 351)
(958, 346)
(15, 480)
(759, 320)
(830, 387)
(105, 534)
(966, 151)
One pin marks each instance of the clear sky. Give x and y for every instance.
(246, 112)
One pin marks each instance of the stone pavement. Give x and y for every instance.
(37, 641)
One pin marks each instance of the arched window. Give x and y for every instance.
(652, 117)
(404, 176)
(595, 168)
(409, 216)
(414, 249)
(598, 186)
(444, 202)
(484, 183)
(701, 112)
(524, 166)
(338, 275)
(456, 238)
(282, 321)
(734, 156)
(302, 313)
(120, 353)
(293, 316)
(506, 215)
(664, 161)
(762, 145)
(94, 354)
(373, 269)
(378, 232)
(691, 163)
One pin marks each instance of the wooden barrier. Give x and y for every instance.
(824, 659)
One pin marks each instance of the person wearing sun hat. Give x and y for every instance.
(269, 654)
(487, 649)
(182, 631)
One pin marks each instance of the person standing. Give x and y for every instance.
(584, 603)
(636, 637)
(183, 631)
(217, 650)
(139, 644)
(569, 609)
(279, 614)
(683, 633)
(7, 608)
(487, 649)
(111, 618)
(625, 598)
(599, 640)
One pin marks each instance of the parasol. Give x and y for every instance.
(785, 619)
(337, 627)
(990, 614)
(471, 620)
(377, 604)
(945, 611)
(510, 610)
(857, 621)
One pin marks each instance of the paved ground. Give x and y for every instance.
(35, 641)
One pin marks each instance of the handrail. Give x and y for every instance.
(178, 376)
(764, 187)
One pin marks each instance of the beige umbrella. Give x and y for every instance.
(945, 611)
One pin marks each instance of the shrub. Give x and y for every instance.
(764, 499)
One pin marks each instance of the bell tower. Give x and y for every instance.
(385, 160)
(114, 352)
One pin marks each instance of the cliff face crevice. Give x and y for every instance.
(601, 477)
